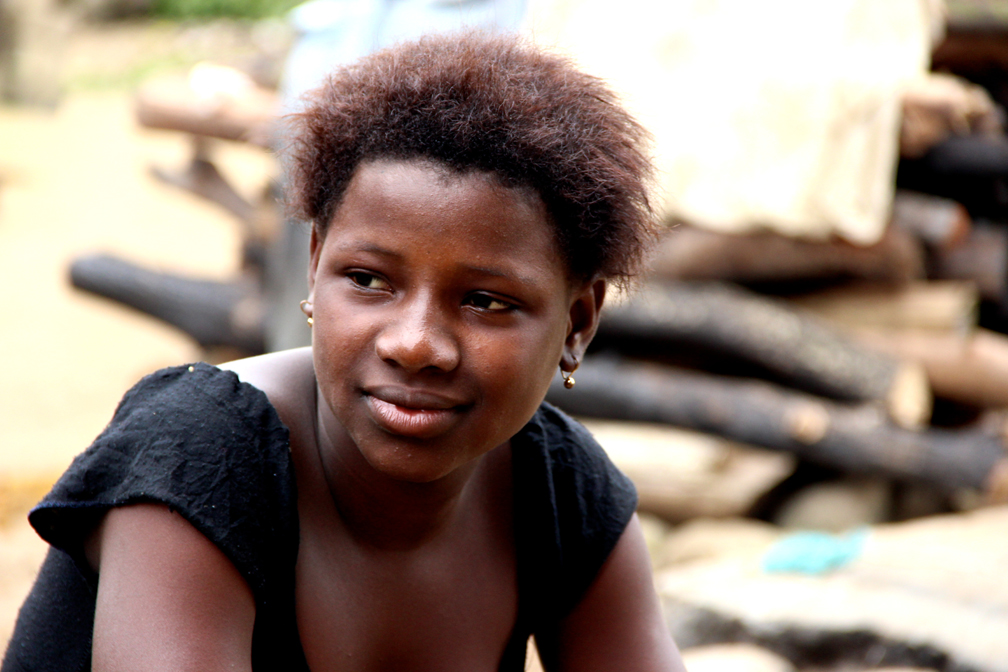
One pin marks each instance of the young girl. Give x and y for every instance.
(397, 496)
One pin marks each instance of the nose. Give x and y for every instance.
(419, 338)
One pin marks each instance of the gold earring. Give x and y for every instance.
(567, 377)
(305, 307)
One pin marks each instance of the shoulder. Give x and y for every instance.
(287, 378)
(198, 440)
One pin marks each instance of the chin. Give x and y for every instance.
(411, 465)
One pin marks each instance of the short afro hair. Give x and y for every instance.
(472, 101)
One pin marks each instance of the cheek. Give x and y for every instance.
(517, 372)
(341, 339)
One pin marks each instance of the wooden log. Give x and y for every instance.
(939, 222)
(202, 178)
(971, 49)
(971, 368)
(940, 105)
(797, 350)
(688, 253)
(681, 475)
(949, 305)
(216, 314)
(982, 258)
(974, 156)
(853, 438)
(173, 103)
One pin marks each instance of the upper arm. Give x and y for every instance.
(168, 598)
(618, 624)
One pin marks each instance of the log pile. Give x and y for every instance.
(800, 352)
(881, 372)
(870, 361)
(849, 437)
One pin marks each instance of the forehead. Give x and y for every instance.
(423, 206)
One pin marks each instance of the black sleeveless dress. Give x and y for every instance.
(213, 449)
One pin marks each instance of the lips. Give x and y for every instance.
(412, 414)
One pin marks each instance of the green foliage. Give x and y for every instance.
(202, 9)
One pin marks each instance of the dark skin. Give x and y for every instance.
(441, 310)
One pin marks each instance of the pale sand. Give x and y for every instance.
(71, 182)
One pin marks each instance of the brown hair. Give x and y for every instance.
(494, 104)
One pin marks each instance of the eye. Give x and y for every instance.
(489, 303)
(368, 280)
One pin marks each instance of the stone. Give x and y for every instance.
(706, 538)
(835, 506)
(655, 532)
(681, 474)
(928, 593)
(739, 657)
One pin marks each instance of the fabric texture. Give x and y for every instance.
(781, 115)
(213, 449)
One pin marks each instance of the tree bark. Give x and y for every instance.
(970, 368)
(171, 103)
(215, 314)
(681, 475)
(940, 223)
(794, 349)
(687, 253)
(982, 258)
(947, 305)
(854, 438)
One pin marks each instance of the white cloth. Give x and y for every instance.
(781, 114)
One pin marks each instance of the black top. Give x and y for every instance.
(213, 449)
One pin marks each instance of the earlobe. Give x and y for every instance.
(585, 311)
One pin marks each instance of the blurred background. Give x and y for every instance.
(809, 388)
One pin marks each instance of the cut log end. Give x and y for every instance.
(909, 400)
(807, 422)
(996, 490)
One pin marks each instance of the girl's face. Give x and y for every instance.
(441, 310)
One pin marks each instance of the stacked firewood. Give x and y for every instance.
(843, 376)
(828, 386)
(864, 360)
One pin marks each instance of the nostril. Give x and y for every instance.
(417, 349)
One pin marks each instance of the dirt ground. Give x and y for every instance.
(75, 180)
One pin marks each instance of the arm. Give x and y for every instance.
(168, 598)
(618, 625)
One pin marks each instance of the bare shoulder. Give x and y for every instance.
(286, 377)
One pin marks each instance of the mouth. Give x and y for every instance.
(411, 414)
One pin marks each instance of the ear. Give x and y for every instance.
(583, 319)
(314, 250)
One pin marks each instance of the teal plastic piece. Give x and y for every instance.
(814, 552)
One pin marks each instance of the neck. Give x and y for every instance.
(380, 511)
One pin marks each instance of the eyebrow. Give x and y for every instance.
(369, 247)
(374, 248)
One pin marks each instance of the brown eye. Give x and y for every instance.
(368, 280)
(489, 303)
